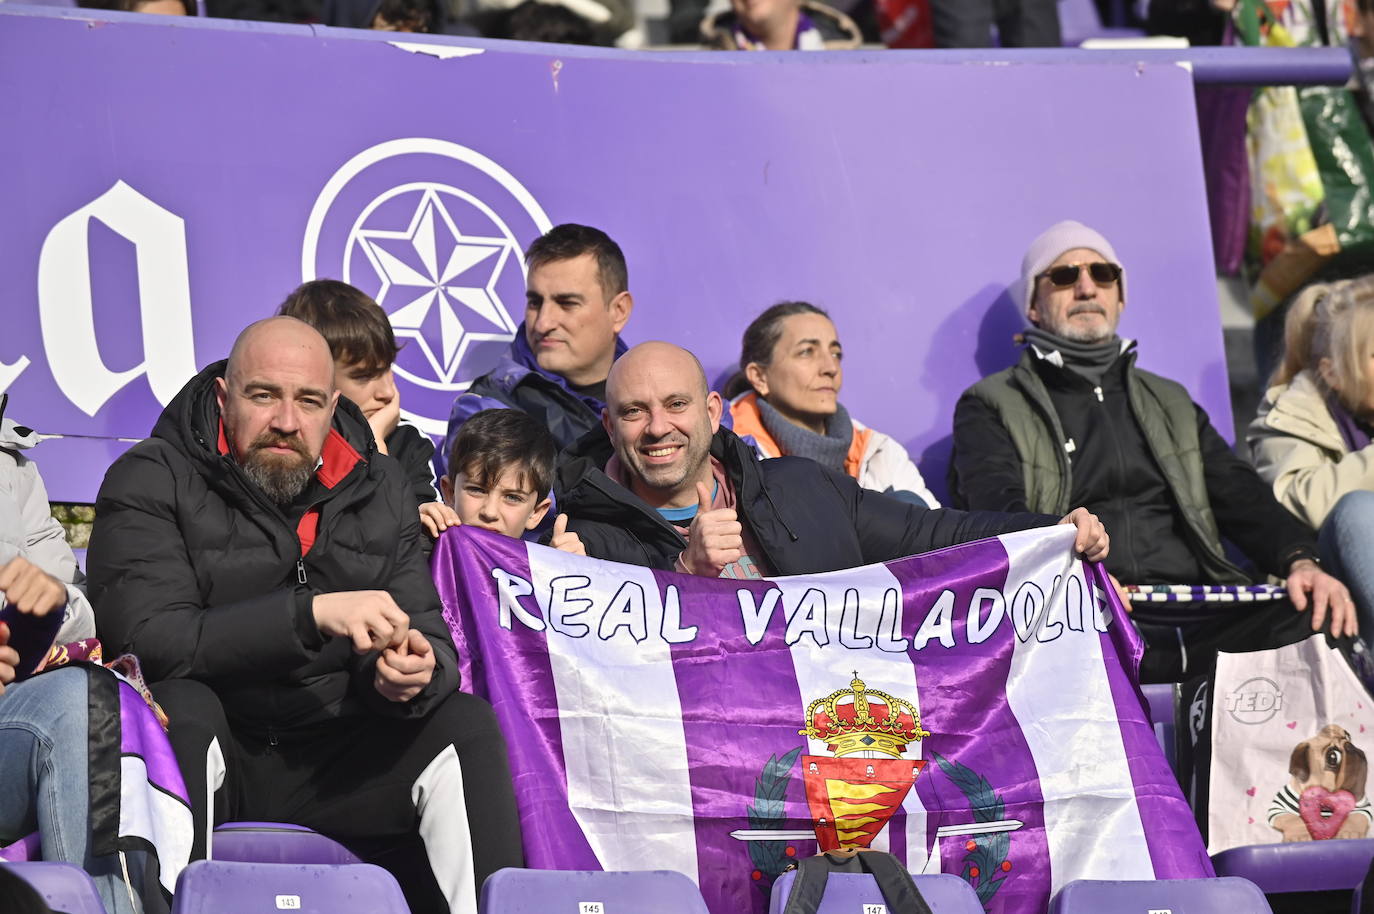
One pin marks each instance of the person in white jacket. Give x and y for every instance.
(43, 720)
(1311, 439)
(785, 398)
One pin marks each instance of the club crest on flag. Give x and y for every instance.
(853, 794)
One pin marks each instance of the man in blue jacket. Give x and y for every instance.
(577, 301)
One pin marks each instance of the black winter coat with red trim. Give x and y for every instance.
(194, 570)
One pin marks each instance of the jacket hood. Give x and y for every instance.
(191, 422)
(13, 435)
(1299, 409)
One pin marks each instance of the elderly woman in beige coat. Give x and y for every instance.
(1311, 438)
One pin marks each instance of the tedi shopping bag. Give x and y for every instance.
(1290, 733)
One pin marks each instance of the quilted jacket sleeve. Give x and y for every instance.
(147, 598)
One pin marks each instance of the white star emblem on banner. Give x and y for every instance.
(439, 285)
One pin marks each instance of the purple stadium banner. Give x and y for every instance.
(969, 710)
(167, 182)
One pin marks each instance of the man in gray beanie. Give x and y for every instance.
(1075, 422)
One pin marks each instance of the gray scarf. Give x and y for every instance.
(1087, 360)
(829, 450)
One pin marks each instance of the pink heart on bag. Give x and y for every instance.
(1292, 725)
(1324, 811)
(1250, 793)
(1251, 821)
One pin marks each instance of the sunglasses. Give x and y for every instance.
(1104, 274)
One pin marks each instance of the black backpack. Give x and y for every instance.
(898, 888)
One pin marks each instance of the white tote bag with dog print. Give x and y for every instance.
(1290, 729)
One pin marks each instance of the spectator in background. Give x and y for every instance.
(672, 489)
(577, 300)
(364, 348)
(30, 535)
(786, 398)
(162, 7)
(1311, 439)
(537, 20)
(271, 582)
(1020, 23)
(1075, 422)
(500, 477)
(779, 25)
(43, 720)
(418, 16)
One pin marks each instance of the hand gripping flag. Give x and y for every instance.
(970, 710)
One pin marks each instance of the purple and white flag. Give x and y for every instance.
(970, 710)
(139, 800)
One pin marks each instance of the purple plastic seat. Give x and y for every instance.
(847, 893)
(277, 842)
(516, 891)
(1160, 701)
(64, 887)
(1304, 866)
(218, 887)
(1228, 895)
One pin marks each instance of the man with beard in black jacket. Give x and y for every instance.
(673, 490)
(263, 561)
(1076, 422)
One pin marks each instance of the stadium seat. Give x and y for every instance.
(218, 887)
(1160, 700)
(1305, 866)
(1230, 894)
(64, 887)
(277, 842)
(848, 893)
(514, 891)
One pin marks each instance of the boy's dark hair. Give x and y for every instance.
(354, 325)
(564, 242)
(494, 440)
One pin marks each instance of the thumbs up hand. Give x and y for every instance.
(565, 541)
(715, 539)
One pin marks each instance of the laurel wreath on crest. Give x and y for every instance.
(768, 811)
(985, 866)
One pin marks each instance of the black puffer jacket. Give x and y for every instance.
(194, 570)
(413, 450)
(806, 518)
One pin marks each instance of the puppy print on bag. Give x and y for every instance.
(1325, 798)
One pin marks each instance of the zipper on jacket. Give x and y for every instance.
(271, 738)
(1098, 391)
(300, 570)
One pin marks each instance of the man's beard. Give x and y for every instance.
(281, 477)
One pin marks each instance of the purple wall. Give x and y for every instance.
(159, 180)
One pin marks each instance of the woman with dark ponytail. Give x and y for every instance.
(785, 397)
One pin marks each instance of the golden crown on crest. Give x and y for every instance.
(860, 719)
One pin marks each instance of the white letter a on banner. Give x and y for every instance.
(66, 306)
